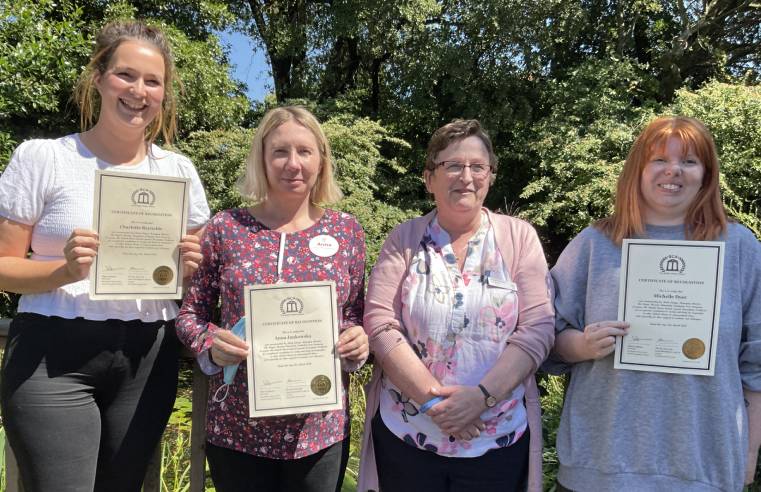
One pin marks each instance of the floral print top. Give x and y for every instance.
(458, 323)
(238, 250)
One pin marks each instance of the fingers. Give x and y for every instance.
(444, 391)
(750, 470)
(600, 337)
(81, 240)
(227, 349)
(353, 343)
(471, 431)
(229, 338)
(79, 251)
(190, 250)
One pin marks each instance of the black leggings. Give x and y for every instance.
(85, 402)
(233, 471)
(406, 468)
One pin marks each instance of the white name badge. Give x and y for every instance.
(501, 284)
(323, 245)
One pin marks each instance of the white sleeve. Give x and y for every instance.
(198, 213)
(25, 182)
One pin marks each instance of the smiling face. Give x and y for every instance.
(459, 193)
(132, 87)
(291, 161)
(670, 181)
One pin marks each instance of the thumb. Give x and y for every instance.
(443, 391)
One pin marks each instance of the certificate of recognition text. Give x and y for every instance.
(670, 293)
(293, 366)
(140, 219)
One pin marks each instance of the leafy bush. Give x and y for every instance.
(365, 175)
(733, 114)
(580, 159)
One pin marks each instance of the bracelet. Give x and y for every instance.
(430, 403)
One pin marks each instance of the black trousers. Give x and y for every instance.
(233, 471)
(405, 468)
(85, 402)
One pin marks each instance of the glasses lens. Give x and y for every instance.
(453, 167)
(478, 169)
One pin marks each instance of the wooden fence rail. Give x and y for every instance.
(153, 475)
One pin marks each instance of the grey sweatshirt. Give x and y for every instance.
(641, 431)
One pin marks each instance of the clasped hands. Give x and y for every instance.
(459, 415)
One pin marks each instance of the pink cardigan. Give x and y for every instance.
(522, 253)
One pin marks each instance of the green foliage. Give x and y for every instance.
(580, 156)
(368, 179)
(181, 413)
(552, 391)
(175, 459)
(733, 114)
(210, 99)
(219, 157)
(43, 47)
(581, 145)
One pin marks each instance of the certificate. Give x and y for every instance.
(293, 366)
(140, 219)
(670, 293)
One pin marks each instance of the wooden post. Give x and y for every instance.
(12, 477)
(152, 480)
(198, 431)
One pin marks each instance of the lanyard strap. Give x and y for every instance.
(280, 255)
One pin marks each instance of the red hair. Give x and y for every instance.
(706, 218)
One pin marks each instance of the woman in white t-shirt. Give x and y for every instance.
(88, 385)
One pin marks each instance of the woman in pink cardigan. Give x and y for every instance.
(459, 318)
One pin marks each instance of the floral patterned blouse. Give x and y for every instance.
(458, 323)
(239, 250)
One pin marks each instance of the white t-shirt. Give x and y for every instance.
(49, 184)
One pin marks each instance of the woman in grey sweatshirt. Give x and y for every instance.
(627, 430)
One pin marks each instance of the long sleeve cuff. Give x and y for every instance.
(352, 365)
(384, 341)
(207, 366)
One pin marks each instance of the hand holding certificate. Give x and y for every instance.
(670, 293)
(292, 330)
(140, 221)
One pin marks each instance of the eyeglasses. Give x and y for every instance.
(455, 168)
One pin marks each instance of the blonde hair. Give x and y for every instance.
(253, 184)
(107, 41)
(706, 218)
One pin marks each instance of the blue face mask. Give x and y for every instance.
(239, 330)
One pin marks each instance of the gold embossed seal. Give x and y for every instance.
(163, 275)
(320, 385)
(693, 348)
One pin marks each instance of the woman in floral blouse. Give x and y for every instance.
(459, 318)
(289, 170)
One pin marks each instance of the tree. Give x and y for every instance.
(45, 45)
(364, 174)
(580, 159)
